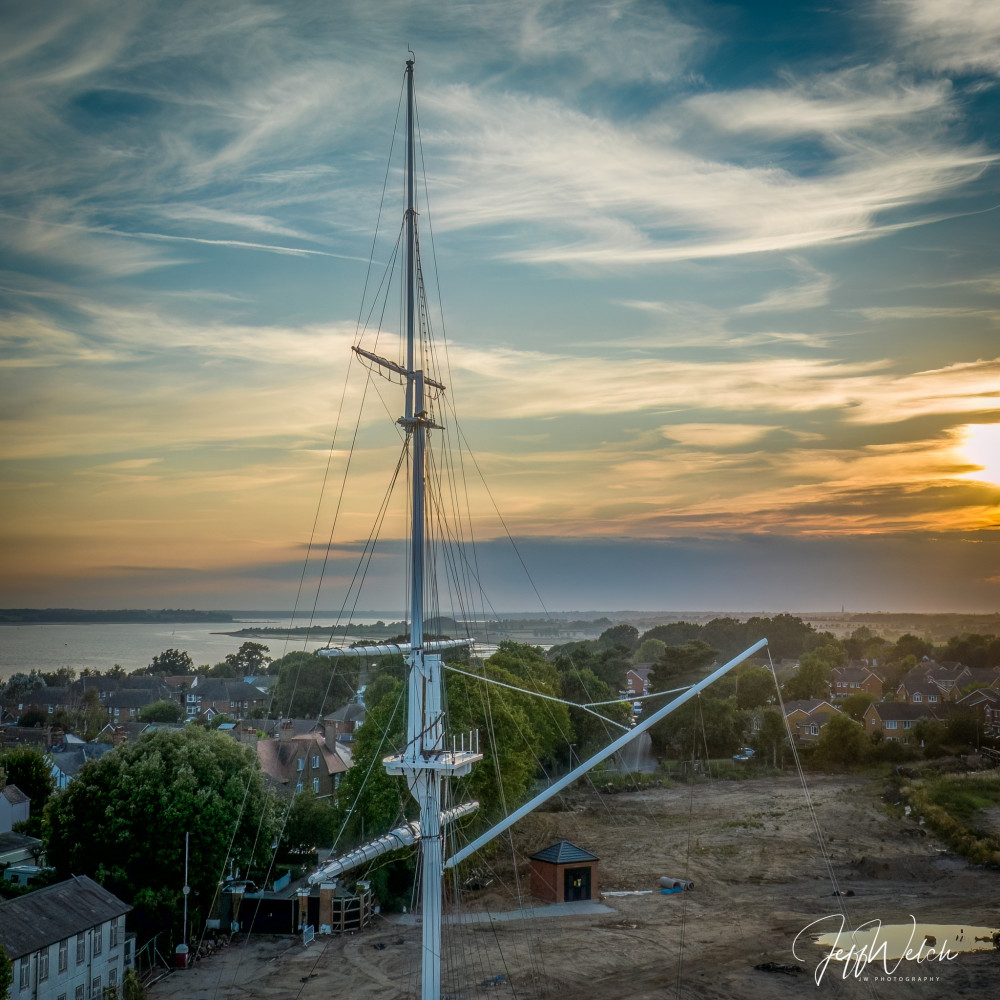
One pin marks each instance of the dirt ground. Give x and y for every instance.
(760, 878)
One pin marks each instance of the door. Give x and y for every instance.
(576, 884)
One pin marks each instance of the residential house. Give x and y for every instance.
(15, 807)
(340, 725)
(845, 681)
(41, 737)
(921, 689)
(295, 762)
(807, 717)
(65, 942)
(984, 703)
(895, 719)
(217, 696)
(637, 679)
(20, 849)
(980, 677)
(68, 757)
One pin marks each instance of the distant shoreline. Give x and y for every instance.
(74, 616)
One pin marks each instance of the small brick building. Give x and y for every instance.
(564, 873)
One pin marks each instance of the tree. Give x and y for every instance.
(649, 651)
(855, 705)
(123, 818)
(309, 685)
(812, 680)
(250, 659)
(755, 686)
(161, 711)
(33, 717)
(171, 662)
(590, 732)
(624, 635)
(26, 768)
(681, 665)
(842, 743)
(6, 973)
(21, 687)
(311, 822)
(93, 716)
(702, 725)
(771, 740)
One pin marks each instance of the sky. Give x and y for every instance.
(720, 288)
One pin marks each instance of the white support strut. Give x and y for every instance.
(608, 751)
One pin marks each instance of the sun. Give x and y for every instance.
(982, 447)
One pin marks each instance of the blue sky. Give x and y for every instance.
(720, 284)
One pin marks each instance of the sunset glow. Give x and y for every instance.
(720, 297)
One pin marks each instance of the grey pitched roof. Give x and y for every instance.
(47, 915)
(14, 795)
(348, 713)
(70, 761)
(901, 711)
(563, 853)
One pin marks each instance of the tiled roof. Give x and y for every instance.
(563, 853)
(14, 795)
(901, 710)
(47, 915)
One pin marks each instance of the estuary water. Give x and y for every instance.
(48, 647)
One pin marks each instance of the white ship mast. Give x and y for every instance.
(425, 760)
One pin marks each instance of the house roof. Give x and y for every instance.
(12, 842)
(349, 713)
(47, 915)
(808, 706)
(14, 795)
(70, 761)
(563, 853)
(221, 689)
(901, 711)
(278, 757)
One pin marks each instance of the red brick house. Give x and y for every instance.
(845, 681)
(297, 762)
(895, 719)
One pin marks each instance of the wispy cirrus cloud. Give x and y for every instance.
(948, 35)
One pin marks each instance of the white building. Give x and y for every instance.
(65, 942)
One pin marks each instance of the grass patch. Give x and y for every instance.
(950, 805)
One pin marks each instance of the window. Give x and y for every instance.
(25, 973)
(917, 698)
(113, 934)
(98, 939)
(316, 760)
(907, 724)
(112, 977)
(932, 697)
(892, 724)
(62, 996)
(301, 763)
(79, 993)
(63, 954)
(81, 948)
(316, 785)
(43, 964)
(95, 988)
(298, 787)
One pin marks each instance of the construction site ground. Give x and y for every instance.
(760, 879)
